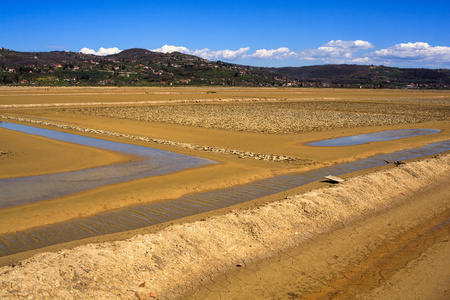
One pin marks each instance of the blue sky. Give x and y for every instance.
(260, 33)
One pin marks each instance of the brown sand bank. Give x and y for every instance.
(429, 108)
(37, 95)
(27, 155)
(397, 253)
(183, 257)
(231, 171)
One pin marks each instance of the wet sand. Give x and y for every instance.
(231, 170)
(29, 155)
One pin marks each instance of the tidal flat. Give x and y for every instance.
(252, 133)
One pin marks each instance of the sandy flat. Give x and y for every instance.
(28, 155)
(165, 254)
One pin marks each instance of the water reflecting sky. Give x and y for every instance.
(373, 137)
(22, 190)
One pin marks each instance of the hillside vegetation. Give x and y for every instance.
(142, 67)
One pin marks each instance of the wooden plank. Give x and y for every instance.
(334, 179)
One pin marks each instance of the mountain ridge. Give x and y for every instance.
(137, 66)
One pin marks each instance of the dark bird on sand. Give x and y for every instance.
(395, 162)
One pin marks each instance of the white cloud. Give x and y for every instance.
(335, 51)
(206, 53)
(351, 45)
(102, 51)
(170, 49)
(280, 53)
(232, 55)
(222, 54)
(361, 60)
(417, 52)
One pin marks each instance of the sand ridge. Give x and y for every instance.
(194, 251)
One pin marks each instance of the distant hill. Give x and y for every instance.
(16, 59)
(144, 67)
(341, 75)
(326, 71)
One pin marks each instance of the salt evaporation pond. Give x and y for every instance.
(139, 216)
(373, 137)
(152, 162)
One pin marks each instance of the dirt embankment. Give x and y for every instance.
(180, 257)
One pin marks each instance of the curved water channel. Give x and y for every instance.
(373, 137)
(140, 216)
(152, 162)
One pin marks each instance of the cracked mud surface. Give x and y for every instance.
(280, 117)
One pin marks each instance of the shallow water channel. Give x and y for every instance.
(151, 162)
(373, 137)
(140, 216)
